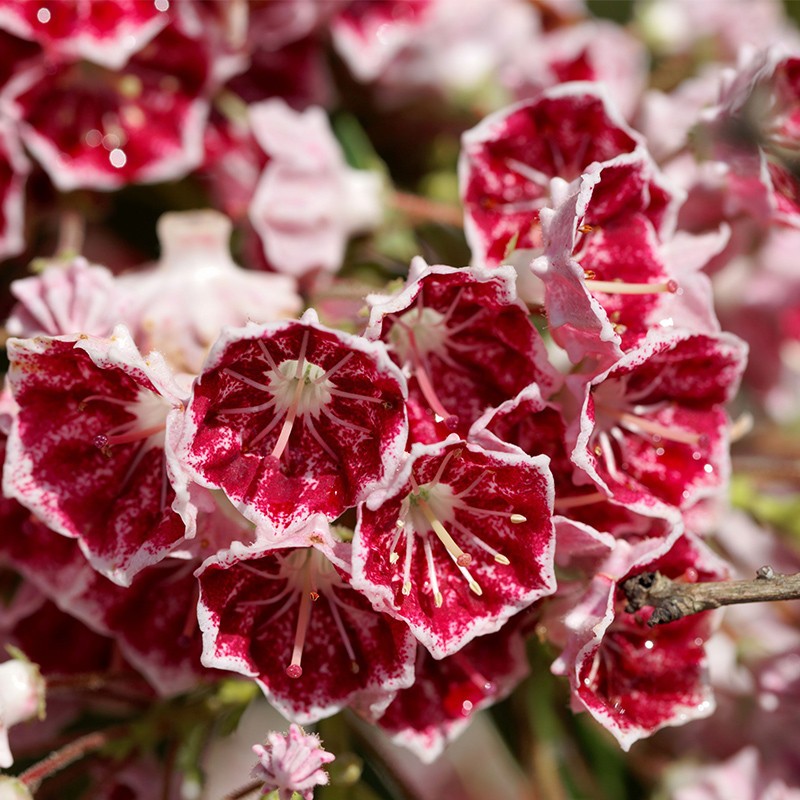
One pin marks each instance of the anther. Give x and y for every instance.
(516, 519)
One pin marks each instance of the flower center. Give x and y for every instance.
(617, 412)
(309, 574)
(430, 508)
(297, 388)
(422, 332)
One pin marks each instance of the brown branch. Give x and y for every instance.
(55, 762)
(423, 209)
(672, 600)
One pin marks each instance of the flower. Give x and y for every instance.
(21, 697)
(12, 789)
(291, 762)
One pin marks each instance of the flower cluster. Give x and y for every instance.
(374, 503)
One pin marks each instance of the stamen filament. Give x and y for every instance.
(294, 670)
(406, 590)
(495, 554)
(461, 558)
(473, 584)
(439, 472)
(343, 633)
(622, 287)
(269, 359)
(249, 381)
(473, 484)
(429, 393)
(134, 435)
(335, 368)
(438, 600)
(650, 426)
(288, 423)
(353, 396)
(564, 503)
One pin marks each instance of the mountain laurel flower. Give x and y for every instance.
(291, 762)
(291, 419)
(21, 698)
(460, 540)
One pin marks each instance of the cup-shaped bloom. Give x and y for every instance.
(98, 128)
(606, 271)
(464, 340)
(653, 431)
(509, 158)
(67, 297)
(292, 419)
(633, 678)
(91, 448)
(446, 693)
(286, 615)
(459, 541)
(105, 33)
(181, 304)
(308, 202)
(153, 621)
(753, 131)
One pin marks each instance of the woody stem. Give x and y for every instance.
(68, 754)
(673, 600)
(422, 209)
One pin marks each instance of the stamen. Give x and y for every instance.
(343, 422)
(269, 359)
(565, 503)
(406, 589)
(312, 429)
(473, 584)
(461, 558)
(343, 633)
(335, 368)
(291, 416)
(655, 428)
(267, 430)
(132, 434)
(608, 455)
(244, 379)
(622, 287)
(438, 600)
(249, 409)
(439, 472)
(495, 554)
(394, 556)
(429, 393)
(294, 670)
(353, 396)
(473, 484)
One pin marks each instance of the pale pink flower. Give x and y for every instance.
(308, 202)
(291, 762)
(181, 304)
